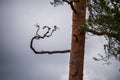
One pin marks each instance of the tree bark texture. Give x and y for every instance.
(78, 42)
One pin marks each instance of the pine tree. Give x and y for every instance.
(103, 20)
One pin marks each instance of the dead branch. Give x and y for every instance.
(47, 34)
(71, 3)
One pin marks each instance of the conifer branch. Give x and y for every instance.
(102, 33)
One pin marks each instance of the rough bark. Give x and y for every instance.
(78, 42)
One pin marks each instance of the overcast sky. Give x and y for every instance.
(17, 60)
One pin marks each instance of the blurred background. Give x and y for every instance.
(18, 61)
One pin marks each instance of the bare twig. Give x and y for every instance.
(70, 2)
(37, 37)
(45, 52)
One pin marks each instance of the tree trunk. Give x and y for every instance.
(78, 42)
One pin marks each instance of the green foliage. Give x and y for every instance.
(83, 28)
(104, 17)
(57, 2)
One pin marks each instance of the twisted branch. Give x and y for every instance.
(37, 37)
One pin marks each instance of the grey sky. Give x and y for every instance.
(17, 60)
